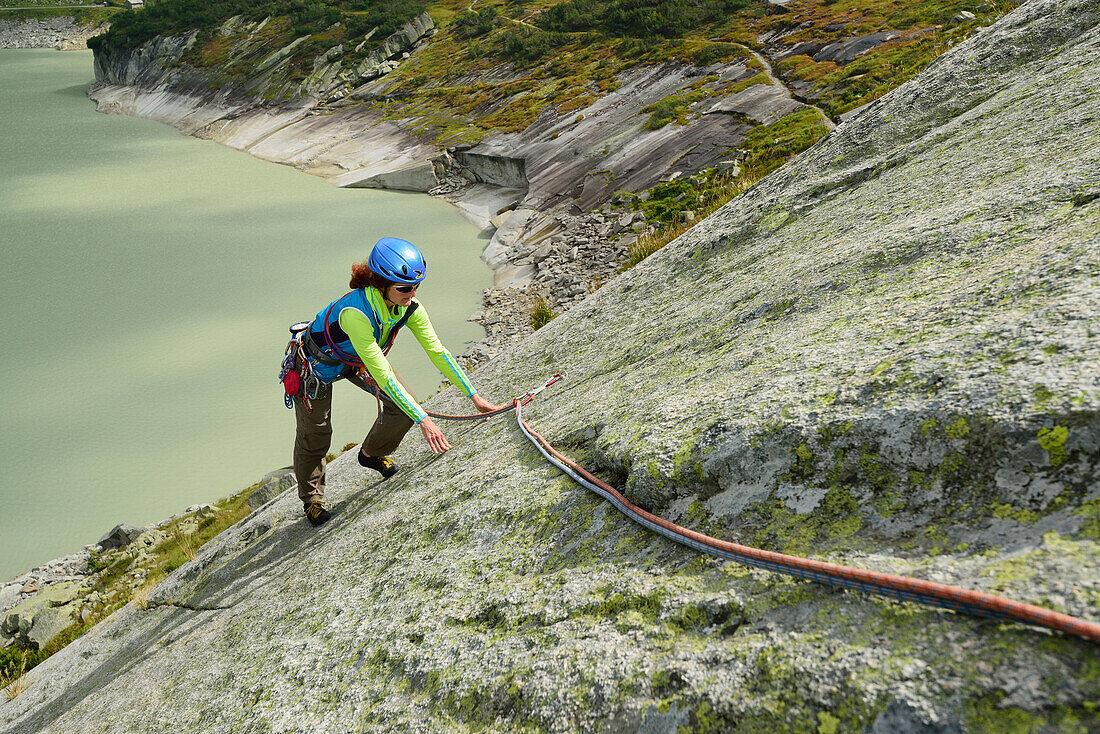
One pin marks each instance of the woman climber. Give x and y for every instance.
(349, 339)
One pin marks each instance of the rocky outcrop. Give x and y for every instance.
(881, 355)
(562, 165)
(159, 68)
(36, 607)
(62, 33)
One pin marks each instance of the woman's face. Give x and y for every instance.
(400, 298)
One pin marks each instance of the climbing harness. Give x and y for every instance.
(307, 347)
(903, 588)
(296, 372)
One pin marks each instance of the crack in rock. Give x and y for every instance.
(192, 607)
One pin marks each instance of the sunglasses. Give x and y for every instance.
(406, 288)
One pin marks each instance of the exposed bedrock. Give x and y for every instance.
(560, 166)
(884, 355)
(61, 33)
(192, 97)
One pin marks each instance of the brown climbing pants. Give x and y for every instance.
(314, 435)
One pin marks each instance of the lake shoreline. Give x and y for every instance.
(141, 200)
(551, 252)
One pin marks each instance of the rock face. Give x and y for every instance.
(61, 33)
(884, 354)
(159, 68)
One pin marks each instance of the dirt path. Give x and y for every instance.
(775, 78)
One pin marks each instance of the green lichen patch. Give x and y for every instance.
(1053, 440)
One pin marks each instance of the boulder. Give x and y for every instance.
(731, 169)
(9, 596)
(120, 536)
(846, 51)
(764, 103)
(37, 620)
(498, 221)
(46, 624)
(274, 485)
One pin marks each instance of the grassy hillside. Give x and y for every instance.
(542, 52)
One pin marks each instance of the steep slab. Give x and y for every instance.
(884, 355)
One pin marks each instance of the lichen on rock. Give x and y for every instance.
(852, 359)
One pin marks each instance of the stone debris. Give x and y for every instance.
(122, 535)
(60, 33)
(587, 252)
(39, 604)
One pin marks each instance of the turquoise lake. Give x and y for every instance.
(148, 281)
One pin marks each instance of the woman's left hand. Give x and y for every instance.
(483, 405)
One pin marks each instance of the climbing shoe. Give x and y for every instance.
(317, 514)
(382, 464)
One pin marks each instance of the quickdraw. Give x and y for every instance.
(296, 372)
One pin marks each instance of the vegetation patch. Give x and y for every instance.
(128, 575)
(639, 18)
(86, 16)
(341, 20)
(541, 314)
(673, 108)
(1053, 440)
(767, 148)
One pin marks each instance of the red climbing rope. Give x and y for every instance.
(898, 587)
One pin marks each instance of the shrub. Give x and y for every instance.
(473, 24)
(671, 108)
(14, 662)
(716, 52)
(526, 45)
(541, 314)
(638, 18)
(664, 205)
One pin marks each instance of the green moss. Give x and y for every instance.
(1043, 395)
(989, 714)
(697, 514)
(958, 429)
(1053, 440)
(828, 723)
(647, 605)
(1010, 512)
(804, 465)
(1090, 510)
(687, 617)
(835, 518)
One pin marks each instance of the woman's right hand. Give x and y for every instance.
(435, 438)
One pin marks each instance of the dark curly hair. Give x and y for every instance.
(362, 276)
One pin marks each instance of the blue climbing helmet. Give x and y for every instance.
(398, 260)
